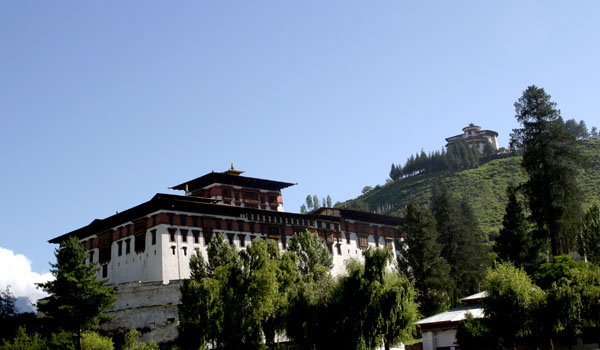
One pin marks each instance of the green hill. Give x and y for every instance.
(484, 187)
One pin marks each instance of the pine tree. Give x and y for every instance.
(551, 161)
(515, 242)
(590, 237)
(421, 261)
(77, 298)
(461, 241)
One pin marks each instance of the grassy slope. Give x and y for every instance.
(485, 187)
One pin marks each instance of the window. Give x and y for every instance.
(242, 239)
(362, 229)
(253, 206)
(91, 256)
(363, 242)
(154, 220)
(237, 195)
(251, 195)
(195, 221)
(184, 251)
(347, 237)
(339, 248)
(172, 234)
(139, 225)
(173, 249)
(226, 193)
(140, 242)
(127, 246)
(184, 235)
(274, 231)
(171, 218)
(104, 271)
(153, 233)
(273, 199)
(182, 220)
(230, 237)
(120, 248)
(229, 225)
(196, 235)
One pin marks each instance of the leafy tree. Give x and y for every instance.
(398, 310)
(460, 237)
(589, 242)
(329, 201)
(366, 189)
(24, 341)
(314, 259)
(551, 160)
(309, 202)
(371, 306)
(94, 341)
(422, 262)
(315, 202)
(511, 302)
(572, 298)
(515, 242)
(132, 343)
(77, 298)
(311, 314)
(594, 131)
(228, 300)
(474, 334)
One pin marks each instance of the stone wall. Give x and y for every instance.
(150, 307)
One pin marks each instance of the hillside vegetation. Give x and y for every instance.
(484, 187)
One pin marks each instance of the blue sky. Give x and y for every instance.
(104, 104)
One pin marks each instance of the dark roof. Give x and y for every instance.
(360, 216)
(233, 180)
(199, 205)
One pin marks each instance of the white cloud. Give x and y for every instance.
(15, 270)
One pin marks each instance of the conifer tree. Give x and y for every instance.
(421, 261)
(77, 298)
(551, 161)
(461, 241)
(515, 242)
(589, 242)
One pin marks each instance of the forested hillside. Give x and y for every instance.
(484, 187)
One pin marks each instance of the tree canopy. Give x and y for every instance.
(551, 161)
(77, 298)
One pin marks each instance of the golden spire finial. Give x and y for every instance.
(232, 171)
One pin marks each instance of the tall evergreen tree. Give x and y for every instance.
(551, 161)
(515, 242)
(589, 242)
(421, 261)
(461, 241)
(77, 298)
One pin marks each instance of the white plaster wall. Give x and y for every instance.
(428, 341)
(177, 266)
(144, 266)
(445, 338)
